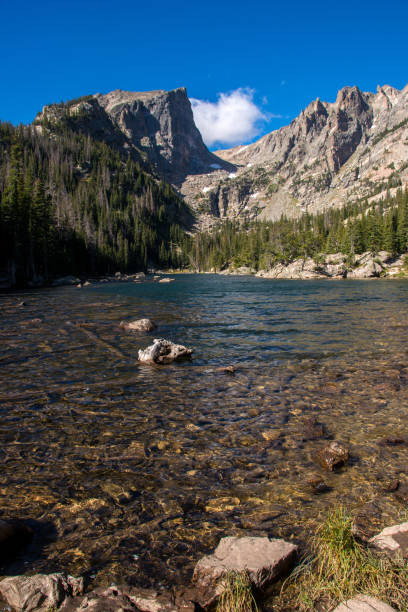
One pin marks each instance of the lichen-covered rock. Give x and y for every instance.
(364, 603)
(332, 456)
(138, 325)
(41, 592)
(164, 351)
(265, 560)
(392, 540)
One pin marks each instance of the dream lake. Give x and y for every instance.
(130, 472)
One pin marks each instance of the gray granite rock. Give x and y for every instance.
(164, 351)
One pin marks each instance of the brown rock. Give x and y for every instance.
(265, 561)
(332, 456)
(41, 592)
(138, 325)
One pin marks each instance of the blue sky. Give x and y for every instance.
(285, 53)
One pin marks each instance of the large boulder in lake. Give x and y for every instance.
(145, 325)
(41, 592)
(264, 559)
(164, 351)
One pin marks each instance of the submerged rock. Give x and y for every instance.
(164, 351)
(364, 603)
(332, 456)
(138, 325)
(317, 484)
(265, 560)
(41, 592)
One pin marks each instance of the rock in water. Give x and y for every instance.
(393, 540)
(364, 603)
(164, 351)
(332, 456)
(138, 325)
(41, 592)
(265, 561)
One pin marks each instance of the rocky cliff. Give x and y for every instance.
(332, 153)
(156, 127)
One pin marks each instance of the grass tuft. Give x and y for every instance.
(237, 595)
(340, 567)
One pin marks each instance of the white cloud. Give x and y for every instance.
(233, 119)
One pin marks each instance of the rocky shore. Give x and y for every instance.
(258, 561)
(334, 266)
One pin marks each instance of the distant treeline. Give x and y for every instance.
(71, 205)
(350, 230)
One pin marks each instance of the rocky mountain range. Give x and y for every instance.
(154, 127)
(331, 154)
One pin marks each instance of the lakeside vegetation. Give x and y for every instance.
(351, 230)
(72, 205)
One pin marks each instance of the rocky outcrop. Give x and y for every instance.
(164, 351)
(41, 592)
(329, 154)
(366, 265)
(154, 127)
(265, 560)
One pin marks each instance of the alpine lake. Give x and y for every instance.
(130, 472)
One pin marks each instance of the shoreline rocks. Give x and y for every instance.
(41, 592)
(392, 540)
(265, 560)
